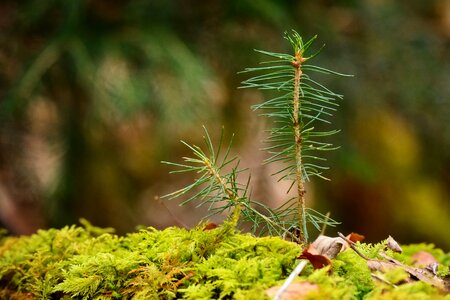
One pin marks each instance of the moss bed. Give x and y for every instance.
(93, 263)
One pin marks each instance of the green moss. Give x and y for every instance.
(92, 263)
(331, 286)
(411, 291)
(355, 271)
(149, 264)
(396, 275)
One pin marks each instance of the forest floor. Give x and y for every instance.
(214, 263)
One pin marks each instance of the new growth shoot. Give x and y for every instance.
(299, 104)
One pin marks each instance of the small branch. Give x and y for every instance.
(390, 262)
(383, 280)
(352, 245)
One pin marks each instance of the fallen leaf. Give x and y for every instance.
(423, 258)
(328, 246)
(210, 226)
(315, 258)
(297, 291)
(322, 250)
(393, 245)
(355, 237)
(325, 248)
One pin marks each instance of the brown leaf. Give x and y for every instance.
(322, 250)
(325, 248)
(355, 237)
(315, 258)
(393, 245)
(423, 258)
(210, 226)
(297, 291)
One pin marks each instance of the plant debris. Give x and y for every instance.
(388, 263)
(393, 245)
(325, 248)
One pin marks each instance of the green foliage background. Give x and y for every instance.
(94, 94)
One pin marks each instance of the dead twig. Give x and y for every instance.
(352, 245)
(298, 269)
(390, 263)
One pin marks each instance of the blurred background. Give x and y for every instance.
(95, 93)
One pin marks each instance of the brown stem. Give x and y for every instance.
(297, 63)
(232, 196)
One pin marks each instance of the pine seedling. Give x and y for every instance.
(301, 103)
(220, 192)
(217, 186)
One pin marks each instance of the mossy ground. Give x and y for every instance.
(93, 263)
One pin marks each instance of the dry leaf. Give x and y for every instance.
(325, 248)
(210, 226)
(296, 291)
(328, 246)
(355, 237)
(393, 245)
(322, 250)
(423, 258)
(315, 258)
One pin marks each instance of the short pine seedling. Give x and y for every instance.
(300, 102)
